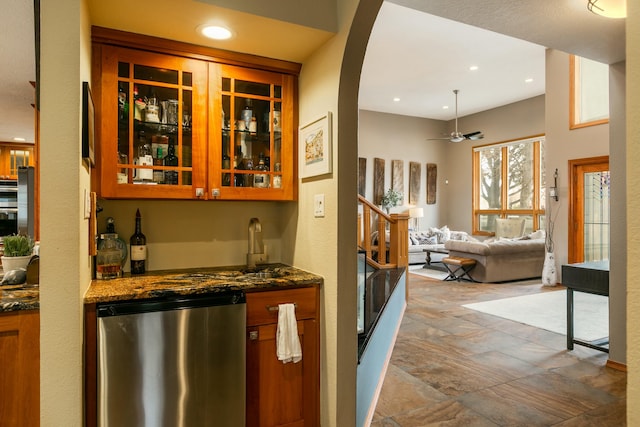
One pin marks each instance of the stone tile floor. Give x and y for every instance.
(452, 366)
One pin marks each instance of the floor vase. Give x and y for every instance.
(549, 271)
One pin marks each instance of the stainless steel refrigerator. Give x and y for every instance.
(26, 200)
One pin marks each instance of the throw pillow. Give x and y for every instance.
(426, 240)
(445, 234)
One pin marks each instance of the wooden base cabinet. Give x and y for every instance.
(20, 368)
(280, 394)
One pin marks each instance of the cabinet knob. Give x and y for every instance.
(253, 335)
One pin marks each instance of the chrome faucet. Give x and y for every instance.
(257, 253)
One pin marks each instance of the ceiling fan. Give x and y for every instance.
(459, 136)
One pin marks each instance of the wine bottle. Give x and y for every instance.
(144, 159)
(138, 248)
(247, 114)
(171, 176)
(158, 174)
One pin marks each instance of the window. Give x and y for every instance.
(508, 182)
(589, 92)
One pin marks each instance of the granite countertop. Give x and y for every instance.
(194, 281)
(19, 297)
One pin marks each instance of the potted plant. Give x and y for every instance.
(390, 199)
(18, 249)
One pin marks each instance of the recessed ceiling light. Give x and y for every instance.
(396, 99)
(529, 80)
(473, 68)
(445, 107)
(216, 32)
(18, 139)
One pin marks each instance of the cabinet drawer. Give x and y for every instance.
(262, 307)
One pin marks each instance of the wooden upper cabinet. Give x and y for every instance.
(185, 126)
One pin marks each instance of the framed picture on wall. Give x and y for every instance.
(88, 126)
(315, 147)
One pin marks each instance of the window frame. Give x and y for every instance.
(537, 212)
(576, 92)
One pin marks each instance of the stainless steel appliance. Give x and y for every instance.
(8, 207)
(26, 200)
(172, 362)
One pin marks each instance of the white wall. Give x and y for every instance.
(394, 137)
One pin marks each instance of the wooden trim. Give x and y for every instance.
(113, 37)
(572, 100)
(503, 212)
(616, 365)
(575, 211)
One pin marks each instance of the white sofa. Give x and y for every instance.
(432, 238)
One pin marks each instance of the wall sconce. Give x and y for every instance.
(416, 214)
(553, 191)
(608, 8)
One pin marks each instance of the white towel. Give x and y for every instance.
(288, 344)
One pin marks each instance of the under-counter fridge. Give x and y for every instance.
(172, 362)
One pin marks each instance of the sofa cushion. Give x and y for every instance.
(497, 247)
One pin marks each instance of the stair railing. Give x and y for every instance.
(383, 250)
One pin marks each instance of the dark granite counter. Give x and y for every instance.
(19, 297)
(162, 284)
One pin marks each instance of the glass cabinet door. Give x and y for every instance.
(251, 121)
(154, 132)
(160, 101)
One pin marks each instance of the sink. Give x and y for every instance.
(264, 272)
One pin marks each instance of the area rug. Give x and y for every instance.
(431, 273)
(548, 310)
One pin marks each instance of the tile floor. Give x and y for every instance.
(452, 366)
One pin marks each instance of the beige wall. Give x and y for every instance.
(633, 207)
(65, 264)
(394, 137)
(509, 122)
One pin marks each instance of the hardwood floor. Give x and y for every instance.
(452, 366)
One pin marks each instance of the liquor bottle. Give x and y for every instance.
(158, 175)
(238, 179)
(144, 159)
(226, 164)
(261, 180)
(277, 179)
(248, 165)
(171, 176)
(247, 114)
(138, 248)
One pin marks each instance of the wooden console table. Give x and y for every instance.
(590, 277)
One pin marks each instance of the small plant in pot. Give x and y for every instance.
(18, 249)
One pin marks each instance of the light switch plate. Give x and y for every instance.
(318, 206)
(87, 204)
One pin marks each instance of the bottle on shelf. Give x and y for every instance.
(277, 178)
(247, 114)
(138, 247)
(171, 176)
(144, 159)
(238, 179)
(261, 180)
(226, 164)
(248, 165)
(139, 105)
(123, 106)
(158, 174)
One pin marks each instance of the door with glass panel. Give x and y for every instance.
(589, 224)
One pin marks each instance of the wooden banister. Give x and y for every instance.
(390, 251)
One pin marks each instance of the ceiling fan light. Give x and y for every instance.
(608, 8)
